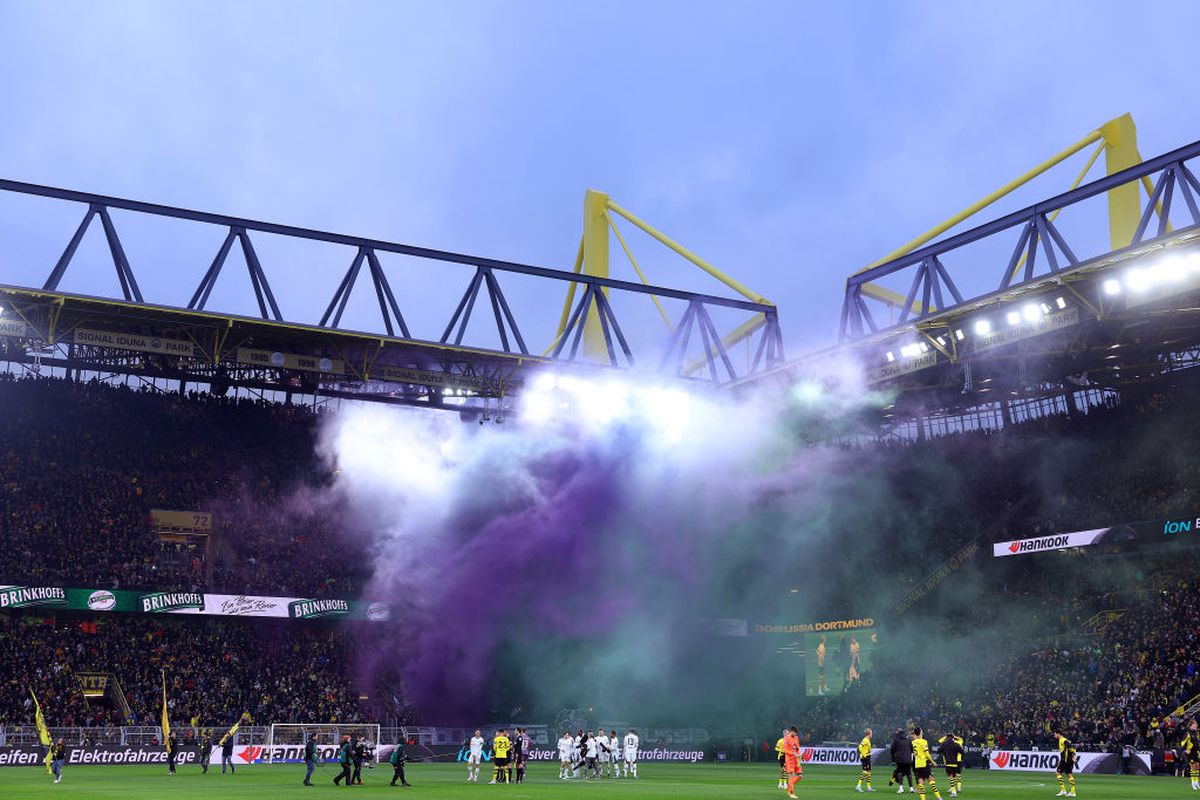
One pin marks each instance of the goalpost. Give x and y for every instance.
(285, 741)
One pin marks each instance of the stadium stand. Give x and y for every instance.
(218, 668)
(82, 465)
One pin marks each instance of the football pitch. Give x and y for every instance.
(734, 781)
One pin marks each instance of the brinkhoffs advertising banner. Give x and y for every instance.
(52, 598)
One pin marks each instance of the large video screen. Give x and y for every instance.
(833, 661)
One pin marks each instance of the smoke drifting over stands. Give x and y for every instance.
(575, 566)
(545, 566)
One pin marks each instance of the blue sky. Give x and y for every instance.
(789, 143)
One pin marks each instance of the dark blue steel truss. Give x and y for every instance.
(1037, 233)
(595, 295)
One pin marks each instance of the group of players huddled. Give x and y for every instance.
(913, 759)
(596, 755)
(509, 755)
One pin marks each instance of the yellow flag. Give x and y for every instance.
(43, 731)
(236, 725)
(166, 723)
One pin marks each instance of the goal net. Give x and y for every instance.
(286, 741)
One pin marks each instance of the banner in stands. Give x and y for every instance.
(1047, 761)
(1057, 541)
(275, 754)
(134, 341)
(221, 605)
(14, 327)
(817, 627)
(91, 755)
(268, 358)
(694, 756)
(904, 366)
(32, 596)
(1112, 539)
(92, 684)
(1048, 323)
(446, 380)
(837, 756)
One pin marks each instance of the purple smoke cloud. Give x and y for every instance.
(611, 534)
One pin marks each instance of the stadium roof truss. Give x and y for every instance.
(1125, 315)
(130, 335)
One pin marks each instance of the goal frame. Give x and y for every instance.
(297, 733)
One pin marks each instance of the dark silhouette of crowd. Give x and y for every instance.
(1115, 684)
(1110, 683)
(216, 669)
(83, 464)
(997, 652)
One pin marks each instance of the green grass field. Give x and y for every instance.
(444, 780)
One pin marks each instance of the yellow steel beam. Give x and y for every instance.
(983, 203)
(637, 269)
(1118, 142)
(1124, 204)
(566, 312)
(595, 262)
(1078, 180)
(737, 286)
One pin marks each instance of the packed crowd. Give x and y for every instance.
(1138, 467)
(216, 670)
(1118, 682)
(82, 465)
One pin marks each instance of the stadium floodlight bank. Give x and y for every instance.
(286, 740)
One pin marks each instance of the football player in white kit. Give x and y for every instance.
(631, 751)
(614, 745)
(566, 749)
(591, 753)
(602, 753)
(475, 756)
